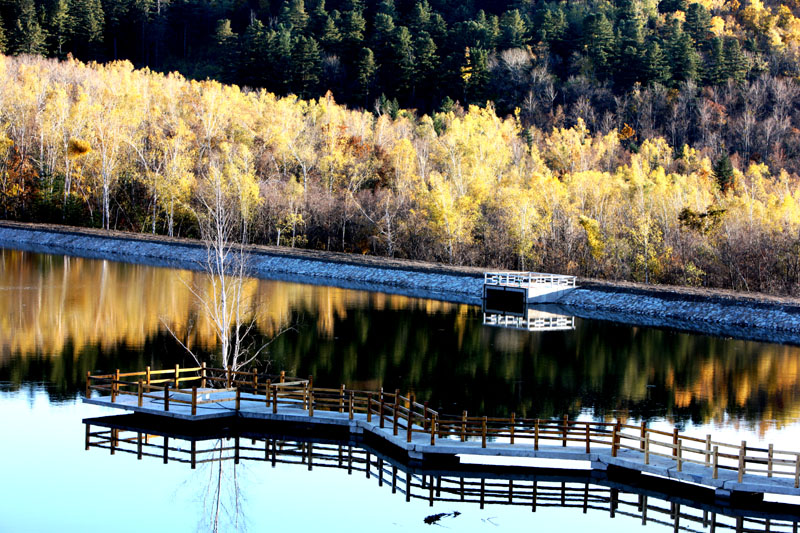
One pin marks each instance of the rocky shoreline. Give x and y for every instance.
(723, 313)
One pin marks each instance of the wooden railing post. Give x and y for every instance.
(433, 429)
(139, 392)
(463, 426)
(588, 437)
(166, 396)
(269, 391)
(203, 375)
(311, 403)
(283, 376)
(769, 461)
(228, 378)
(797, 471)
(147, 377)
(194, 401)
(380, 407)
(536, 434)
(641, 435)
(715, 458)
(675, 442)
(274, 399)
(88, 384)
(565, 430)
(483, 432)
(395, 410)
(255, 380)
(351, 405)
(341, 399)
(409, 426)
(369, 407)
(742, 454)
(614, 436)
(679, 455)
(647, 448)
(708, 451)
(238, 398)
(88, 434)
(177, 376)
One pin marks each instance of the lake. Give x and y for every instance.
(64, 316)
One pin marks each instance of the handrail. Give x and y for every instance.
(399, 413)
(527, 279)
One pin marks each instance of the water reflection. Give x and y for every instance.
(656, 502)
(65, 316)
(531, 319)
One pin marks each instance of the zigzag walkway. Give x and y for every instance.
(424, 435)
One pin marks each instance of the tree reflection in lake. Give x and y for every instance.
(65, 316)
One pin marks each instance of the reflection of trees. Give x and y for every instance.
(221, 497)
(64, 316)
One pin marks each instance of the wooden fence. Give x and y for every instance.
(403, 415)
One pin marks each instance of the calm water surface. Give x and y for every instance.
(61, 317)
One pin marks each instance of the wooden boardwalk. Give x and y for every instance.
(650, 503)
(423, 434)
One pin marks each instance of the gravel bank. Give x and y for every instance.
(724, 313)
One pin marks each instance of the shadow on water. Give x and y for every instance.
(613, 493)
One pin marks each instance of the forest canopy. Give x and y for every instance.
(112, 146)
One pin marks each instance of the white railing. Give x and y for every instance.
(546, 323)
(527, 279)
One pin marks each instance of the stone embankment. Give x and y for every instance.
(724, 313)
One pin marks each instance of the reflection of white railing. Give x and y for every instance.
(527, 279)
(537, 323)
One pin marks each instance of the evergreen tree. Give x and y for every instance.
(631, 55)
(387, 7)
(28, 36)
(656, 66)
(403, 52)
(475, 74)
(294, 14)
(352, 30)
(683, 57)
(306, 63)
(254, 52)
(698, 24)
(427, 63)
(58, 26)
(365, 75)
(383, 35)
(598, 35)
(715, 71)
(86, 21)
(723, 172)
(227, 48)
(512, 30)
(420, 17)
(318, 18)
(330, 38)
(3, 40)
(735, 63)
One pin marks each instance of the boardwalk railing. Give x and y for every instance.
(404, 416)
(529, 493)
(527, 279)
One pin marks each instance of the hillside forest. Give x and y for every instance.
(630, 140)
